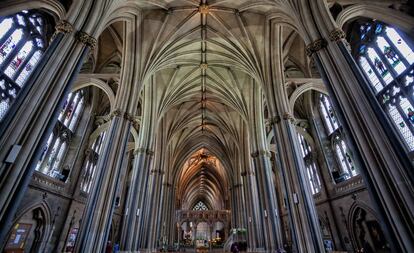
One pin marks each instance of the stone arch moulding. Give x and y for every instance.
(46, 212)
(319, 87)
(351, 213)
(85, 82)
(387, 15)
(54, 8)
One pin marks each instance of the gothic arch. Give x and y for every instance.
(359, 212)
(85, 82)
(316, 86)
(54, 8)
(41, 214)
(387, 15)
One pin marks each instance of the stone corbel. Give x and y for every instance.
(315, 46)
(337, 35)
(247, 172)
(274, 120)
(86, 39)
(62, 26)
(160, 172)
(289, 117)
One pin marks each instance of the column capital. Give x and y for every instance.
(63, 26)
(288, 116)
(247, 173)
(144, 151)
(86, 39)
(124, 115)
(261, 153)
(160, 172)
(337, 35)
(274, 120)
(315, 46)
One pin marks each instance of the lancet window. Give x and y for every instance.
(310, 164)
(343, 154)
(23, 40)
(58, 142)
(200, 206)
(90, 163)
(387, 60)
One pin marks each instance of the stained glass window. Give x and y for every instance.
(91, 160)
(53, 154)
(311, 165)
(328, 114)
(200, 206)
(342, 153)
(22, 43)
(387, 61)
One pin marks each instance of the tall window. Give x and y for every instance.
(200, 206)
(388, 62)
(22, 43)
(57, 144)
(310, 164)
(343, 155)
(91, 160)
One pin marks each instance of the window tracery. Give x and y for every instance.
(91, 161)
(387, 60)
(342, 153)
(200, 206)
(22, 44)
(54, 151)
(311, 165)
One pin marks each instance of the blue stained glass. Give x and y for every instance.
(20, 20)
(19, 59)
(362, 49)
(378, 28)
(400, 44)
(10, 44)
(5, 26)
(28, 68)
(364, 29)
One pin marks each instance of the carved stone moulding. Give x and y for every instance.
(86, 39)
(337, 35)
(315, 46)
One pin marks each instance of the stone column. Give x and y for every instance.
(380, 157)
(97, 217)
(382, 160)
(269, 213)
(32, 118)
(133, 229)
(306, 234)
(142, 158)
(268, 200)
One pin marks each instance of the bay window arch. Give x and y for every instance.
(386, 58)
(311, 165)
(53, 153)
(91, 161)
(24, 38)
(345, 168)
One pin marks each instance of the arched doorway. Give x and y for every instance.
(30, 232)
(367, 233)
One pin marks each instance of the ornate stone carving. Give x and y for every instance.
(315, 46)
(274, 120)
(203, 66)
(260, 153)
(337, 35)
(63, 26)
(204, 9)
(288, 116)
(86, 39)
